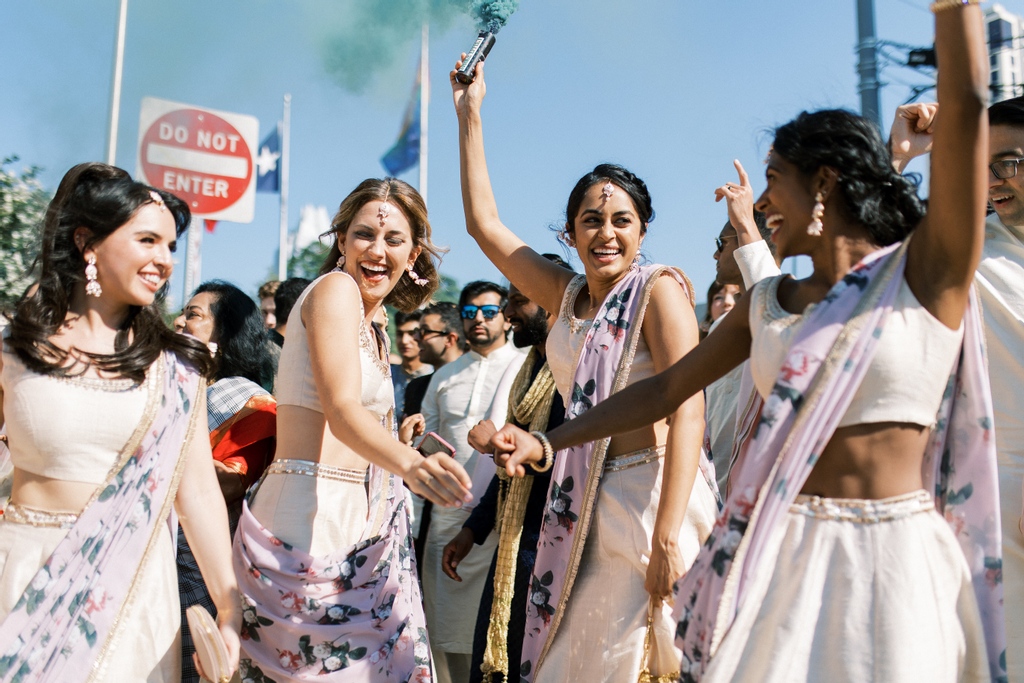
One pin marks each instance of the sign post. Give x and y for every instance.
(203, 156)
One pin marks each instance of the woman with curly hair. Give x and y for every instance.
(106, 415)
(860, 539)
(323, 553)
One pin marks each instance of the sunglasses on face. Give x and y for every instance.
(490, 311)
(1004, 169)
(720, 242)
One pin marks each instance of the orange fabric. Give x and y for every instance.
(246, 441)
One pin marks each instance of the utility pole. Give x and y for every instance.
(867, 67)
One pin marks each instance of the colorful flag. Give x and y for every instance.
(406, 152)
(268, 166)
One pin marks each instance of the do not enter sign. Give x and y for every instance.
(203, 156)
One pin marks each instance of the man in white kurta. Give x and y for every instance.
(459, 396)
(1000, 280)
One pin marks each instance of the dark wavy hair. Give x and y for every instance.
(873, 193)
(406, 295)
(101, 198)
(238, 330)
(619, 176)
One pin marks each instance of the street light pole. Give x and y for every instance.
(867, 67)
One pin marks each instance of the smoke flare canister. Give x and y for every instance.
(484, 43)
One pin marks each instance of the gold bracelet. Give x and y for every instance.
(940, 5)
(549, 453)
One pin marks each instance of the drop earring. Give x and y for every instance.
(92, 285)
(817, 213)
(340, 263)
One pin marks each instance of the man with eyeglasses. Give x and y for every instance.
(459, 396)
(1000, 284)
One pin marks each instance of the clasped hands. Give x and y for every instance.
(513, 448)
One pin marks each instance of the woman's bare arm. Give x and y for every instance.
(331, 315)
(947, 244)
(642, 403)
(542, 281)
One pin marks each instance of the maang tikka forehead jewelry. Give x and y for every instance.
(607, 191)
(385, 209)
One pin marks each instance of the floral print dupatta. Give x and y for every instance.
(353, 615)
(64, 624)
(817, 382)
(602, 369)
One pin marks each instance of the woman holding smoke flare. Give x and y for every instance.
(832, 561)
(88, 588)
(323, 553)
(628, 514)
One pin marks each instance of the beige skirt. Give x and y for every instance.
(862, 590)
(601, 635)
(318, 509)
(145, 646)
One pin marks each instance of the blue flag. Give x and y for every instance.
(406, 152)
(268, 163)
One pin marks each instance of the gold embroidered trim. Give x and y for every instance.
(20, 514)
(529, 405)
(317, 469)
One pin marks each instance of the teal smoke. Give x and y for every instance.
(494, 14)
(375, 32)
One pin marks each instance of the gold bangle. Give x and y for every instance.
(549, 453)
(940, 5)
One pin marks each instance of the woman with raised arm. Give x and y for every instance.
(322, 552)
(860, 540)
(105, 409)
(628, 514)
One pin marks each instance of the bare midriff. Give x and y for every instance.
(48, 494)
(870, 461)
(302, 434)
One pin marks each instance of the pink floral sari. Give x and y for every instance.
(826, 363)
(62, 626)
(353, 615)
(601, 370)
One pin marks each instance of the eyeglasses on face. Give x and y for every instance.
(1004, 169)
(490, 311)
(425, 332)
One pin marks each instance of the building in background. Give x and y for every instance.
(1006, 52)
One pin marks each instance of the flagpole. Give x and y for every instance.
(193, 257)
(115, 95)
(282, 258)
(424, 107)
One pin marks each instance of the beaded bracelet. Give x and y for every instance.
(549, 453)
(940, 5)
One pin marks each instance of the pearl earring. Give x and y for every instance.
(817, 213)
(92, 285)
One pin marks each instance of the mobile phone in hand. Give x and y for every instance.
(432, 443)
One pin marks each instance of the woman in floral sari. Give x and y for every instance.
(322, 552)
(627, 515)
(106, 417)
(860, 540)
(242, 417)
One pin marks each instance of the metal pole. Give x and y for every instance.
(115, 95)
(867, 67)
(193, 257)
(282, 258)
(424, 107)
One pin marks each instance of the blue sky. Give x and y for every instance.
(672, 89)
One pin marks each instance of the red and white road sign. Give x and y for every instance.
(201, 155)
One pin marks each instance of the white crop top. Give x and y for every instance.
(908, 373)
(73, 428)
(295, 385)
(565, 341)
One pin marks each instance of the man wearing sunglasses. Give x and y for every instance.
(1000, 286)
(459, 396)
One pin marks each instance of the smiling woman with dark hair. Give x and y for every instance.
(242, 418)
